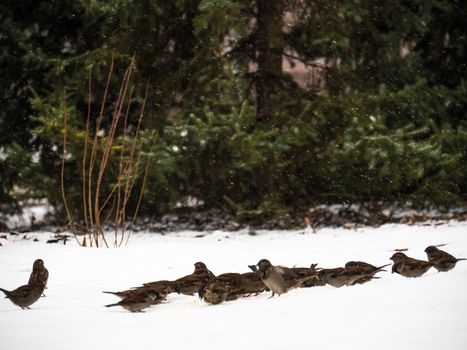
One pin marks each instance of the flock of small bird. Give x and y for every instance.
(230, 286)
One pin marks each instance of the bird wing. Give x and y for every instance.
(286, 272)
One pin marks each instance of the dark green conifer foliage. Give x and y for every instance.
(382, 116)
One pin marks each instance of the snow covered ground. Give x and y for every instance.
(390, 313)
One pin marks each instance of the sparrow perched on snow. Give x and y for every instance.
(443, 261)
(191, 284)
(251, 283)
(236, 285)
(227, 282)
(138, 302)
(409, 267)
(124, 293)
(231, 279)
(215, 292)
(201, 267)
(331, 277)
(363, 267)
(279, 279)
(139, 291)
(360, 267)
(353, 273)
(24, 296)
(39, 274)
(307, 271)
(338, 277)
(163, 287)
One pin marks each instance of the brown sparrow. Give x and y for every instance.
(238, 285)
(136, 303)
(24, 296)
(309, 271)
(334, 277)
(39, 274)
(279, 279)
(135, 292)
(230, 281)
(200, 267)
(340, 276)
(360, 267)
(363, 267)
(309, 274)
(409, 267)
(251, 283)
(443, 261)
(122, 294)
(191, 284)
(215, 292)
(163, 287)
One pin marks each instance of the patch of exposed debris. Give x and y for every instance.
(197, 219)
(350, 216)
(192, 220)
(354, 216)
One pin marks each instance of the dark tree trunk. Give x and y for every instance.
(270, 45)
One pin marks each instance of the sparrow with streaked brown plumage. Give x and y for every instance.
(330, 276)
(201, 267)
(215, 292)
(124, 293)
(251, 283)
(307, 271)
(140, 291)
(361, 267)
(236, 285)
(279, 279)
(295, 273)
(39, 274)
(24, 296)
(229, 281)
(341, 276)
(442, 260)
(409, 267)
(137, 302)
(191, 284)
(164, 287)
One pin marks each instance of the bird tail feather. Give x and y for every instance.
(110, 305)
(7, 293)
(380, 268)
(302, 280)
(107, 292)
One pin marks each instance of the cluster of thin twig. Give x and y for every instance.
(100, 207)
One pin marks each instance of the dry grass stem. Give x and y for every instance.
(104, 153)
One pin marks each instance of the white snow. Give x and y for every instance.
(33, 212)
(390, 313)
